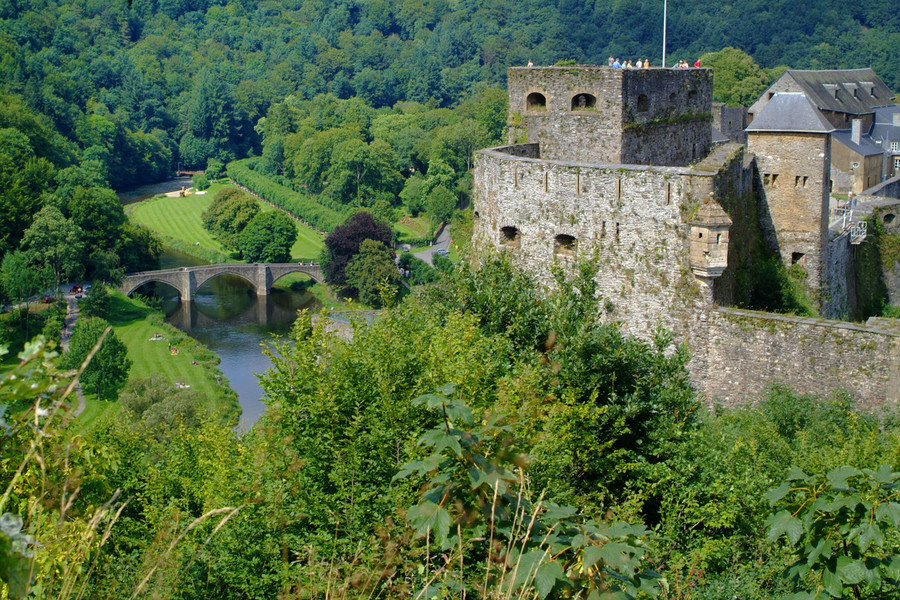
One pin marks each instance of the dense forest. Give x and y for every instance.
(147, 85)
(480, 439)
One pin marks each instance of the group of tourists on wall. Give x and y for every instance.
(615, 63)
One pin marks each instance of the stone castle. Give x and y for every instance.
(621, 165)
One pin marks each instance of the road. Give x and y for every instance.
(442, 242)
(68, 327)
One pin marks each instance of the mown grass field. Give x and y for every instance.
(194, 365)
(181, 218)
(178, 218)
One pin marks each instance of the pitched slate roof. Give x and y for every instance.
(790, 111)
(866, 146)
(884, 128)
(853, 91)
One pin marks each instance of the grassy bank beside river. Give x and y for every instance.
(154, 346)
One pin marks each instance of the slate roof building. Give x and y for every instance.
(860, 108)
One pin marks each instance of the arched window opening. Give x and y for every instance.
(510, 237)
(643, 103)
(564, 246)
(583, 101)
(536, 101)
(889, 218)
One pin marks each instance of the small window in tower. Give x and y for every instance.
(509, 237)
(476, 215)
(643, 103)
(584, 102)
(856, 93)
(797, 258)
(769, 95)
(888, 218)
(767, 179)
(872, 92)
(564, 246)
(774, 179)
(536, 101)
(836, 95)
(718, 238)
(805, 180)
(797, 180)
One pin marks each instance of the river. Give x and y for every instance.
(228, 317)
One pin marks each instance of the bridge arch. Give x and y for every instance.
(187, 279)
(202, 278)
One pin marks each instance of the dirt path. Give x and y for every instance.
(68, 327)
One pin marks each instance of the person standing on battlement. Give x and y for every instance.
(616, 64)
(611, 60)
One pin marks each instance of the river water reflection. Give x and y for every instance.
(229, 318)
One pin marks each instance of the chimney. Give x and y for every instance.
(856, 131)
(896, 122)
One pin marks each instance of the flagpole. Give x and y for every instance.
(665, 15)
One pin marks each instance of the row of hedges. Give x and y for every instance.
(303, 207)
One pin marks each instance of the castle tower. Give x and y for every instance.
(613, 165)
(791, 141)
(618, 116)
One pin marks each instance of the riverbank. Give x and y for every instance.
(154, 346)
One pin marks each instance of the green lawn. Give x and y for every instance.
(180, 218)
(135, 324)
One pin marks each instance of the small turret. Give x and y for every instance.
(709, 240)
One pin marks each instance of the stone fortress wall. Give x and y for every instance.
(670, 230)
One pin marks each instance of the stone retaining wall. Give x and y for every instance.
(745, 351)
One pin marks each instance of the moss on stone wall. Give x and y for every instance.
(869, 260)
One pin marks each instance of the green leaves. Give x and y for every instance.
(842, 517)
(428, 516)
(782, 523)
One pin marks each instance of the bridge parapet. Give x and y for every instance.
(187, 279)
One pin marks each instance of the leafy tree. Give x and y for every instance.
(228, 215)
(23, 178)
(96, 302)
(344, 243)
(739, 81)
(413, 194)
(21, 280)
(200, 181)
(56, 242)
(108, 369)
(842, 528)
(268, 238)
(440, 204)
(419, 270)
(373, 274)
(99, 215)
(162, 407)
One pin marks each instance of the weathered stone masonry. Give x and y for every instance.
(747, 350)
(584, 177)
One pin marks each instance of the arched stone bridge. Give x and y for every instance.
(187, 279)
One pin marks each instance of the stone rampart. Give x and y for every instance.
(745, 351)
(633, 219)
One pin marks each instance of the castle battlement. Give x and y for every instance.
(619, 116)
